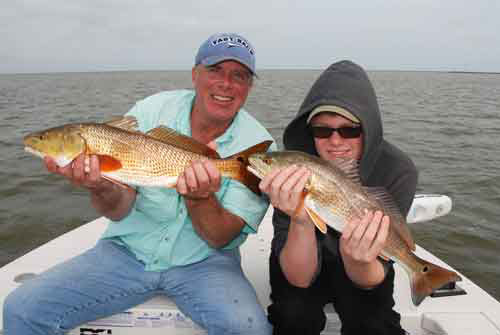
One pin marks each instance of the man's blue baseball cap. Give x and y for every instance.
(226, 46)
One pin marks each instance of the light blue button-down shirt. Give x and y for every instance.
(158, 230)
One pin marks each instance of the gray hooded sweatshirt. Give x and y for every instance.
(346, 85)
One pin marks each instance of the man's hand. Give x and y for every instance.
(285, 189)
(199, 181)
(216, 225)
(299, 256)
(361, 242)
(84, 171)
(109, 200)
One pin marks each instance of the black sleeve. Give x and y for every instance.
(281, 224)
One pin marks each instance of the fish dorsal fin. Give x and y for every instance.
(181, 141)
(124, 122)
(350, 167)
(390, 208)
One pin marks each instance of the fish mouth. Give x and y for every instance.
(34, 152)
(257, 166)
(256, 172)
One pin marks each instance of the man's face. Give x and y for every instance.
(336, 146)
(221, 89)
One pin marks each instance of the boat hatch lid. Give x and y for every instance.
(458, 323)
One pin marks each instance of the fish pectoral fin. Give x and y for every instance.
(317, 220)
(108, 163)
(172, 137)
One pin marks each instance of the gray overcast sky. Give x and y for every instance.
(102, 35)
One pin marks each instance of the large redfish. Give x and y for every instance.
(334, 195)
(126, 156)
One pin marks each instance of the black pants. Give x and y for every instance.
(297, 310)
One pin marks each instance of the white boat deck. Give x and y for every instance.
(473, 313)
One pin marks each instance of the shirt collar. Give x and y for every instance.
(183, 121)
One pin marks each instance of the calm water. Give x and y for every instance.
(448, 122)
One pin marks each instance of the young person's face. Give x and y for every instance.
(336, 146)
(221, 89)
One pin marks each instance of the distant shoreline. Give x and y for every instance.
(263, 69)
(473, 72)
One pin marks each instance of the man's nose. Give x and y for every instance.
(335, 138)
(226, 80)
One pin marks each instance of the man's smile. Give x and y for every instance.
(222, 98)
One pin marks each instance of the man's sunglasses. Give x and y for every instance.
(344, 132)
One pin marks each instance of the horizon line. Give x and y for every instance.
(263, 69)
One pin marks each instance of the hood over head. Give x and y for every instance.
(346, 85)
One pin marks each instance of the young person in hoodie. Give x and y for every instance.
(339, 118)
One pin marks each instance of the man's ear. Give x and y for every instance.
(194, 75)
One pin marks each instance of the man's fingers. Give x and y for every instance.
(50, 164)
(349, 229)
(191, 182)
(279, 198)
(373, 227)
(360, 229)
(382, 234)
(181, 184)
(94, 172)
(200, 175)
(296, 193)
(213, 173)
(268, 179)
(291, 184)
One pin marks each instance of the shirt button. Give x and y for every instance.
(167, 238)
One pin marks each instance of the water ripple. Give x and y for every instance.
(447, 122)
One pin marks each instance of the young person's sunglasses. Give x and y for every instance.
(344, 132)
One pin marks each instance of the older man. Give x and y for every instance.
(166, 241)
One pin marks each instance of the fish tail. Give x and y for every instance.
(429, 278)
(240, 172)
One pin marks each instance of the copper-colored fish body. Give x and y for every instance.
(335, 195)
(153, 159)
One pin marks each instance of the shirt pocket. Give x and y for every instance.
(160, 204)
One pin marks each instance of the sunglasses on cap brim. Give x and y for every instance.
(344, 132)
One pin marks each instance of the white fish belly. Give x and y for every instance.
(147, 181)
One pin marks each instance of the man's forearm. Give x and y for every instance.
(113, 201)
(299, 256)
(216, 225)
(365, 275)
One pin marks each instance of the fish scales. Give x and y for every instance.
(334, 195)
(148, 158)
(156, 158)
